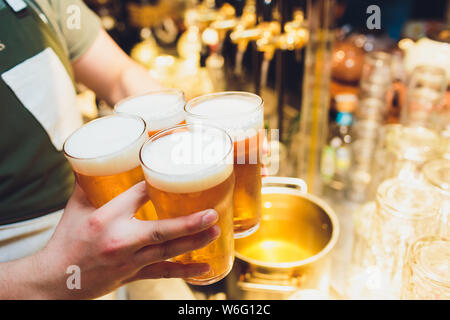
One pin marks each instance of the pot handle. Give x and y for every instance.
(286, 182)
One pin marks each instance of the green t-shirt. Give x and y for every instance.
(61, 15)
(35, 177)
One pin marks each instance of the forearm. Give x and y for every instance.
(132, 80)
(22, 279)
(41, 276)
(110, 73)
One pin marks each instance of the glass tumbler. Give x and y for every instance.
(427, 270)
(426, 91)
(406, 210)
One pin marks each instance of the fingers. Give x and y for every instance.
(171, 270)
(160, 231)
(128, 202)
(170, 249)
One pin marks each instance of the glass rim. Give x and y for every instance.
(418, 150)
(191, 103)
(379, 55)
(413, 214)
(164, 132)
(173, 91)
(417, 263)
(430, 69)
(126, 115)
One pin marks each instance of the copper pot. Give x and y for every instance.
(290, 250)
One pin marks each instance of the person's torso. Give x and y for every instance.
(37, 112)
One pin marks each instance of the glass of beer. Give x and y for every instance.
(104, 155)
(160, 109)
(189, 168)
(241, 114)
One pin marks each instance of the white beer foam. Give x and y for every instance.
(159, 110)
(106, 146)
(188, 161)
(237, 114)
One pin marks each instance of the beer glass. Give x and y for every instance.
(241, 114)
(189, 168)
(104, 155)
(426, 274)
(160, 109)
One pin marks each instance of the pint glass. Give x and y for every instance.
(160, 109)
(104, 155)
(241, 114)
(189, 168)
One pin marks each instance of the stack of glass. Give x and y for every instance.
(426, 273)
(425, 101)
(402, 152)
(404, 210)
(376, 81)
(409, 178)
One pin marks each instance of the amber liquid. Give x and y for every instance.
(102, 189)
(247, 192)
(151, 133)
(220, 253)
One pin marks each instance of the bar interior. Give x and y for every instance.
(346, 105)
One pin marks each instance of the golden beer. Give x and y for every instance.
(241, 115)
(104, 155)
(189, 168)
(159, 109)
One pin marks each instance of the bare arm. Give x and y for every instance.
(110, 73)
(110, 247)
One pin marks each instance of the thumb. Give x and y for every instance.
(128, 202)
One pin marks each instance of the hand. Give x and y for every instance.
(112, 248)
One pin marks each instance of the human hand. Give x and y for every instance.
(112, 248)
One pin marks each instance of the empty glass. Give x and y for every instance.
(426, 91)
(427, 270)
(363, 148)
(406, 210)
(372, 109)
(377, 69)
(411, 148)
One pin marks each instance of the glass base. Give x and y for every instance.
(246, 233)
(206, 282)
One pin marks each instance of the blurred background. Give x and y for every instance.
(261, 46)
